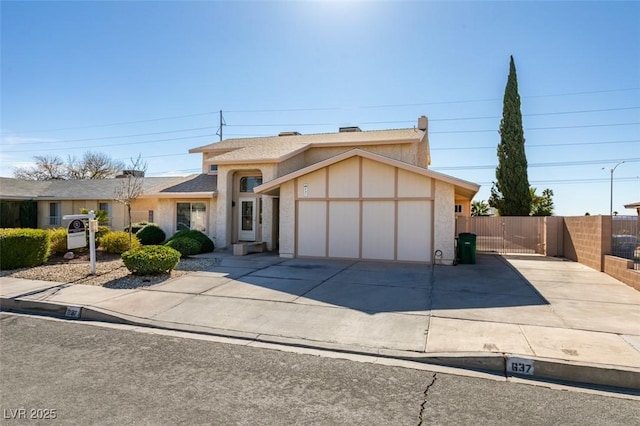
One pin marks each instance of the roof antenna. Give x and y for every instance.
(222, 123)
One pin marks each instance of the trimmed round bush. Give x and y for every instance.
(118, 242)
(206, 244)
(151, 260)
(151, 235)
(186, 246)
(58, 238)
(102, 231)
(136, 226)
(23, 248)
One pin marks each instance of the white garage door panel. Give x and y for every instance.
(414, 230)
(344, 229)
(378, 229)
(312, 228)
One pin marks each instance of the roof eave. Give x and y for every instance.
(182, 195)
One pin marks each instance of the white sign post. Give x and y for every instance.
(77, 229)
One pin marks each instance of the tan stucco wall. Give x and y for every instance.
(287, 220)
(466, 206)
(406, 152)
(444, 221)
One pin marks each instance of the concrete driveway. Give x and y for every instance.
(525, 305)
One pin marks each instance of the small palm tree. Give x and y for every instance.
(479, 208)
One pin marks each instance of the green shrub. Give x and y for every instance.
(206, 244)
(151, 235)
(151, 260)
(58, 238)
(20, 248)
(186, 246)
(136, 226)
(118, 242)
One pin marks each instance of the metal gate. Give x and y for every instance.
(507, 234)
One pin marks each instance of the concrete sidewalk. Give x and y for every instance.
(542, 317)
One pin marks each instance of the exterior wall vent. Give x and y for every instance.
(289, 134)
(350, 129)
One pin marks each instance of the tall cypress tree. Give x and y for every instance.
(510, 192)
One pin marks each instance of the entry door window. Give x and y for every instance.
(247, 230)
(191, 216)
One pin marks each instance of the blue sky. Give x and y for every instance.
(129, 78)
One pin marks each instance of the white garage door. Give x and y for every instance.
(361, 209)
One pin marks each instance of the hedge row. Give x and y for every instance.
(23, 248)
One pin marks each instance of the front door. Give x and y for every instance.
(247, 220)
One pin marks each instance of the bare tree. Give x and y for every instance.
(131, 187)
(47, 167)
(93, 165)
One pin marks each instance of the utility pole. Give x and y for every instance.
(222, 123)
(611, 193)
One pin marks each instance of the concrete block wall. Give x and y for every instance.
(622, 270)
(586, 239)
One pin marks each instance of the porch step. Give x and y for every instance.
(242, 248)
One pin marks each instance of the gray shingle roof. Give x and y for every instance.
(99, 189)
(276, 147)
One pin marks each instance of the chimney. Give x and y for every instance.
(423, 122)
(132, 173)
(349, 129)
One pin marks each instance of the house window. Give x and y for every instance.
(458, 208)
(191, 216)
(247, 183)
(55, 214)
(150, 216)
(213, 168)
(106, 207)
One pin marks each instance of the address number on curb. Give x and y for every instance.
(72, 312)
(520, 366)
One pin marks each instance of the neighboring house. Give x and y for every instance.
(56, 198)
(351, 194)
(633, 206)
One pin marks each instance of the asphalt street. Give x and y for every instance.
(79, 373)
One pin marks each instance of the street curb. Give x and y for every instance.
(627, 379)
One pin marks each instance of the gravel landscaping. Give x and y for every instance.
(110, 271)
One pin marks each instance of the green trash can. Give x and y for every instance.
(467, 248)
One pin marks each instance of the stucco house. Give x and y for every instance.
(350, 194)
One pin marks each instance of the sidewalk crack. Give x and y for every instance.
(424, 401)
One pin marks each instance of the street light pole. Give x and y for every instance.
(611, 199)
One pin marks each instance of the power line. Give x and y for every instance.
(573, 181)
(240, 134)
(537, 145)
(121, 123)
(317, 109)
(114, 144)
(121, 136)
(557, 164)
(583, 126)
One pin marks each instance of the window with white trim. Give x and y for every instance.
(55, 214)
(191, 216)
(458, 208)
(106, 207)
